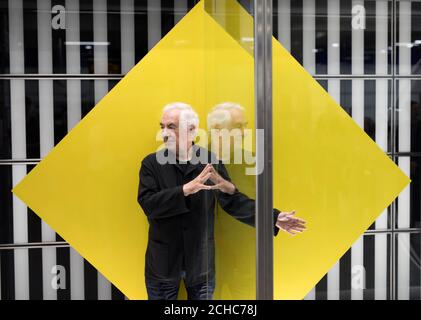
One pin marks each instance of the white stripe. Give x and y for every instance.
(77, 276)
(21, 274)
(309, 36)
(180, 8)
(17, 87)
(74, 104)
(382, 106)
(358, 101)
(334, 89)
(100, 35)
(17, 62)
(72, 35)
(101, 89)
(357, 265)
(311, 295)
(404, 43)
(333, 280)
(127, 35)
(404, 115)
(284, 23)
(333, 33)
(49, 260)
(403, 266)
(357, 46)
(46, 113)
(154, 22)
(381, 38)
(380, 267)
(20, 214)
(404, 196)
(104, 288)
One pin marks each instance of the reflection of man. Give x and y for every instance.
(179, 200)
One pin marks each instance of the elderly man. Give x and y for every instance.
(178, 198)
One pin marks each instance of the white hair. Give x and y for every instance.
(187, 114)
(220, 114)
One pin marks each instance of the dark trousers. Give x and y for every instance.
(164, 290)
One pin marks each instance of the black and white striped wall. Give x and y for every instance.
(52, 72)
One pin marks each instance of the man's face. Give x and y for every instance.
(174, 134)
(235, 126)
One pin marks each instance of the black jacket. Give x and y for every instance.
(181, 229)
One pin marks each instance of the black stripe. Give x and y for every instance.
(370, 108)
(415, 192)
(35, 274)
(388, 271)
(370, 37)
(167, 16)
(5, 120)
(30, 36)
(297, 30)
(321, 36)
(91, 281)
(397, 23)
(416, 115)
(116, 294)
(321, 289)
(7, 265)
(324, 84)
(191, 3)
(389, 37)
(32, 119)
(111, 84)
(58, 47)
(346, 95)
(141, 29)
(60, 109)
(88, 95)
(86, 34)
(114, 36)
(415, 267)
(369, 254)
(6, 209)
(4, 37)
(275, 18)
(63, 259)
(416, 35)
(34, 222)
(345, 37)
(345, 276)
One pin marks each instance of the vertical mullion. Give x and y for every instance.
(264, 179)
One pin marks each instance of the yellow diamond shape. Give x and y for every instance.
(325, 165)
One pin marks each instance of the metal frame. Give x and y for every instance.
(264, 181)
(264, 200)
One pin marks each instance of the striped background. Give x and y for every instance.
(50, 79)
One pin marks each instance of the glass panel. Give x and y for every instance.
(408, 211)
(408, 266)
(83, 37)
(51, 273)
(408, 37)
(362, 273)
(408, 115)
(336, 37)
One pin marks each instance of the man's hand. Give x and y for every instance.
(288, 223)
(198, 183)
(220, 183)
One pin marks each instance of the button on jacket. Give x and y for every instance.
(181, 228)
